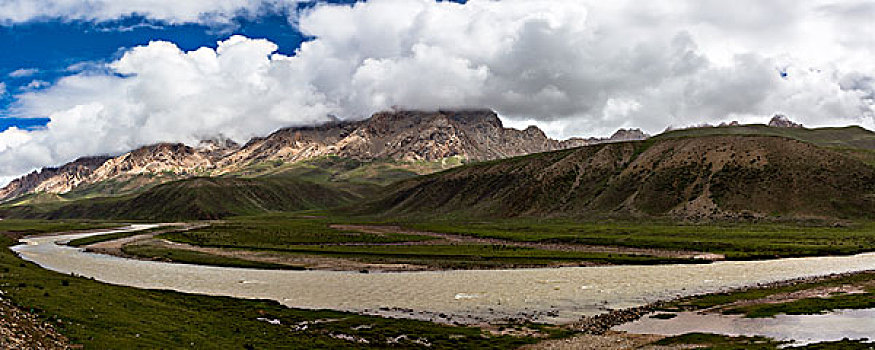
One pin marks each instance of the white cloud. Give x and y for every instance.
(2, 89)
(576, 62)
(23, 72)
(36, 84)
(171, 11)
(575, 68)
(161, 93)
(13, 137)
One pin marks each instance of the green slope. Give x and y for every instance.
(844, 137)
(851, 140)
(197, 198)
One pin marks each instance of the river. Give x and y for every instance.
(554, 295)
(801, 329)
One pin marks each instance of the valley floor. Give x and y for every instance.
(335, 242)
(401, 250)
(96, 314)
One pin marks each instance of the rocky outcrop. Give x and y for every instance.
(163, 158)
(782, 121)
(54, 180)
(621, 135)
(470, 135)
(20, 329)
(156, 161)
(402, 135)
(473, 135)
(627, 135)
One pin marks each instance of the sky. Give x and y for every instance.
(88, 77)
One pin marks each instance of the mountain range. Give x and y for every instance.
(403, 136)
(465, 163)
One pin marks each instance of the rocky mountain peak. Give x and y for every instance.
(405, 135)
(54, 179)
(782, 121)
(218, 147)
(217, 143)
(628, 135)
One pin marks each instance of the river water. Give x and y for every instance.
(554, 295)
(802, 329)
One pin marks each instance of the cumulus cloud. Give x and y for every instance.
(162, 94)
(23, 72)
(594, 65)
(575, 68)
(171, 11)
(2, 89)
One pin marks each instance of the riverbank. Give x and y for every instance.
(99, 315)
(810, 295)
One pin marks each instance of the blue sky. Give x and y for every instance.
(38, 53)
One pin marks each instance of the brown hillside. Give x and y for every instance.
(704, 177)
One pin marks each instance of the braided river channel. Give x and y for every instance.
(552, 295)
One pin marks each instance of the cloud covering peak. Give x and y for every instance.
(572, 67)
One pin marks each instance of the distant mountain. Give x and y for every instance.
(700, 177)
(54, 180)
(782, 121)
(406, 136)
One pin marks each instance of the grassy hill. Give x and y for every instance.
(844, 137)
(685, 174)
(851, 140)
(196, 198)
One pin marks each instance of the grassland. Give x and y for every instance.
(198, 258)
(32, 227)
(720, 342)
(738, 241)
(102, 316)
(278, 231)
(80, 242)
(313, 236)
(842, 137)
